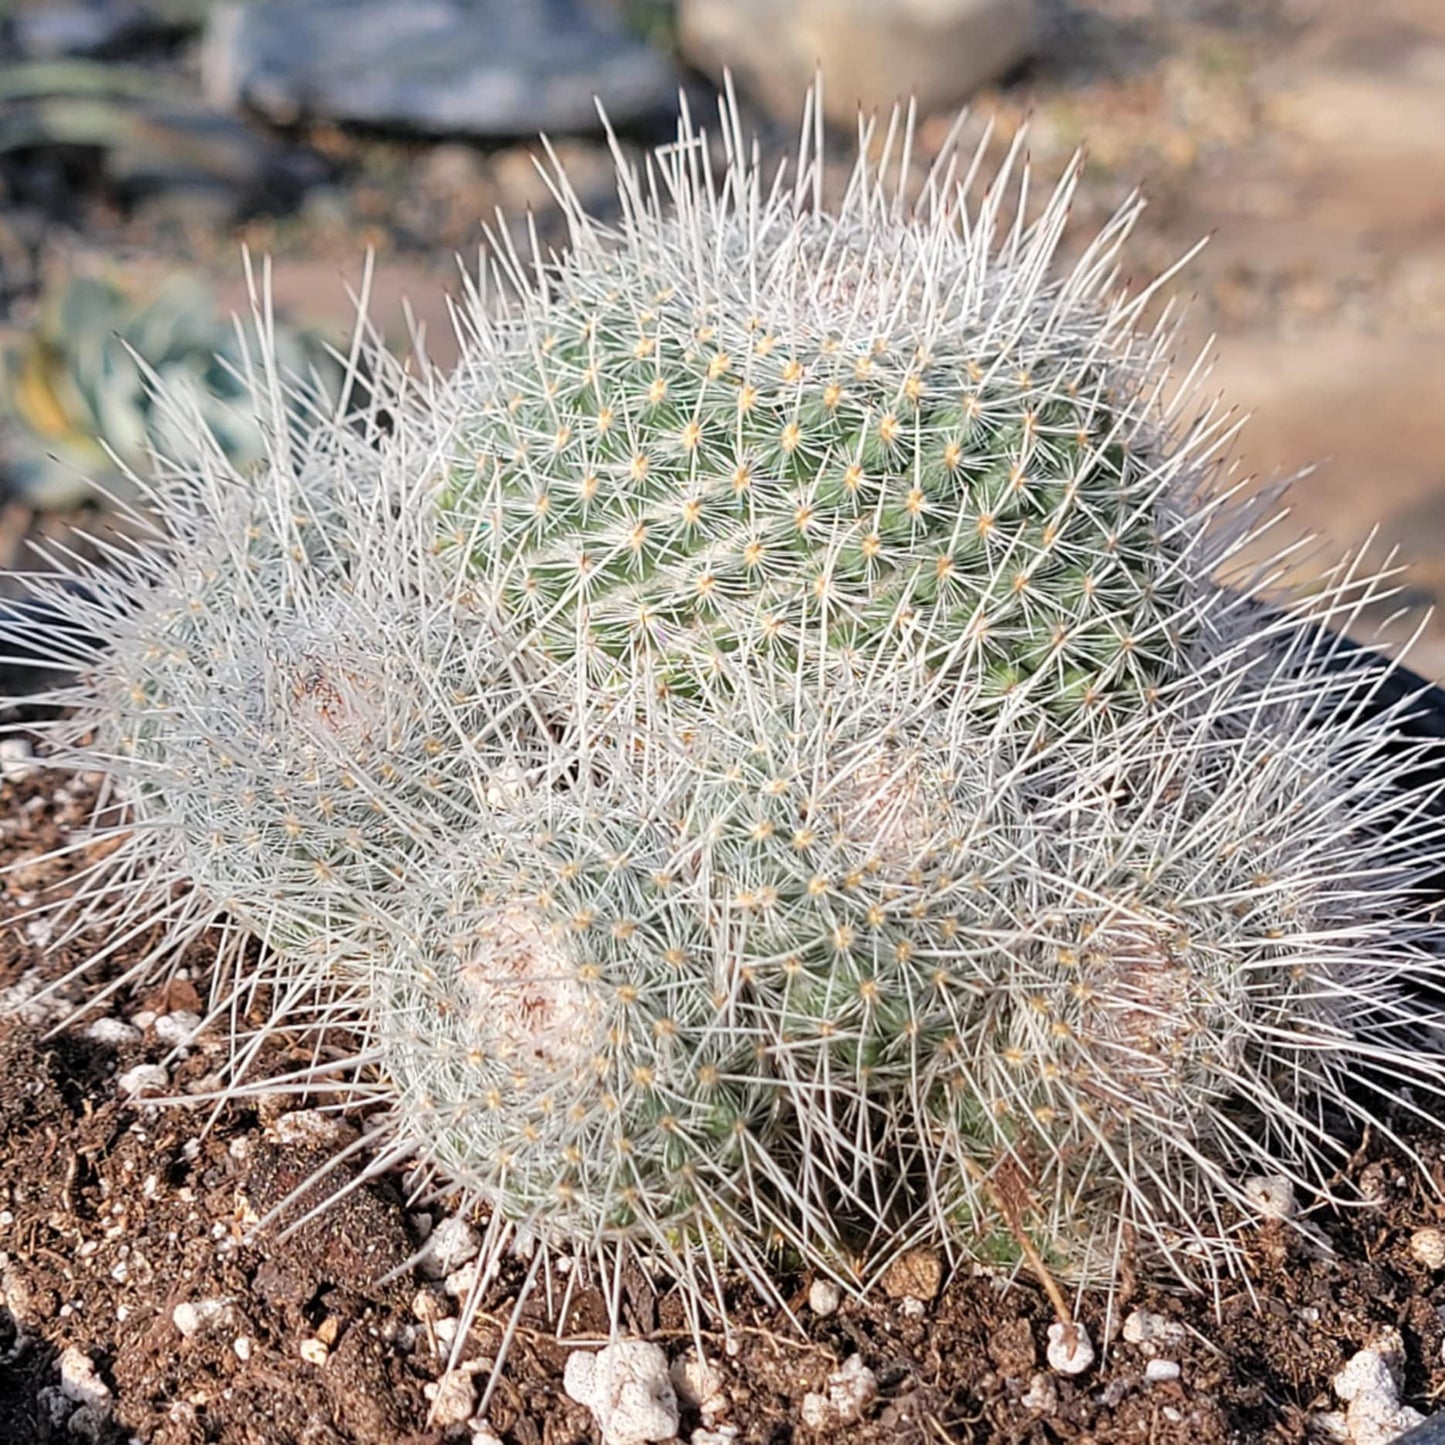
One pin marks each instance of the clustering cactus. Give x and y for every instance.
(758, 756)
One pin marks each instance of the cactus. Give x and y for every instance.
(701, 863)
(740, 418)
(1213, 937)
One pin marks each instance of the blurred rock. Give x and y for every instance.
(433, 67)
(872, 53)
(147, 132)
(50, 29)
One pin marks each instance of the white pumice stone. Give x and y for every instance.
(850, 1390)
(628, 1388)
(449, 1246)
(1373, 1412)
(823, 1297)
(143, 1079)
(1272, 1195)
(1070, 1351)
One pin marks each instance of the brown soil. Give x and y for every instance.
(115, 1213)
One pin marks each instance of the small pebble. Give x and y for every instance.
(191, 1317)
(429, 1305)
(112, 1031)
(310, 1127)
(1070, 1350)
(823, 1297)
(461, 1282)
(1042, 1395)
(1428, 1247)
(16, 760)
(40, 931)
(850, 1391)
(1149, 1331)
(1272, 1195)
(453, 1398)
(483, 1434)
(23, 999)
(314, 1352)
(1373, 1412)
(698, 1385)
(90, 1422)
(1157, 1371)
(56, 1406)
(449, 1246)
(144, 1078)
(177, 1029)
(242, 1346)
(915, 1274)
(912, 1309)
(79, 1382)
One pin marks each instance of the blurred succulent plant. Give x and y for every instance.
(77, 394)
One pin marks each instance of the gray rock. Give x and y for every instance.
(872, 53)
(433, 67)
(51, 29)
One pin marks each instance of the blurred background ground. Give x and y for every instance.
(1306, 138)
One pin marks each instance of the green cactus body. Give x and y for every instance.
(823, 432)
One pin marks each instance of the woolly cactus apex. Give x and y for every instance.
(562, 1041)
(741, 417)
(837, 837)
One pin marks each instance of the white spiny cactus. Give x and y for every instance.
(739, 418)
(757, 755)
